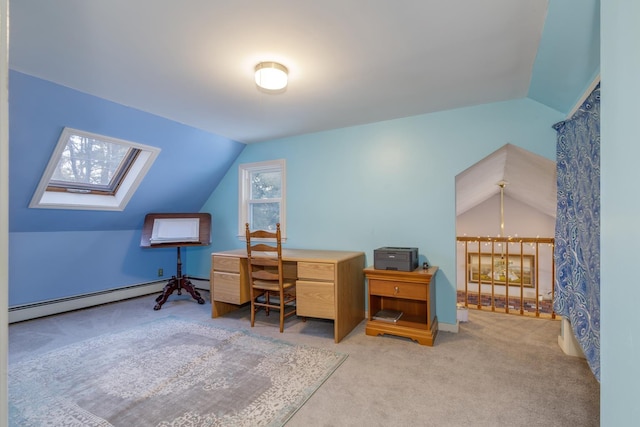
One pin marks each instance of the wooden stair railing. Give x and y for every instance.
(522, 245)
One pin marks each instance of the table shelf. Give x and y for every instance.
(412, 293)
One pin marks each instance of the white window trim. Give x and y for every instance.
(61, 200)
(244, 189)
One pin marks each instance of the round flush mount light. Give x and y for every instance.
(271, 75)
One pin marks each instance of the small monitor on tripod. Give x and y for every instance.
(175, 230)
(162, 230)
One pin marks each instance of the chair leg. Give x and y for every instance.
(281, 311)
(253, 312)
(266, 299)
(281, 318)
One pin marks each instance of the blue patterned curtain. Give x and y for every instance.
(577, 236)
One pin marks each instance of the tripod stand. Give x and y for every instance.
(178, 283)
(163, 230)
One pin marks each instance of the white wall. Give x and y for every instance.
(520, 220)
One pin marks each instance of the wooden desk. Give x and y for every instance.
(411, 292)
(329, 284)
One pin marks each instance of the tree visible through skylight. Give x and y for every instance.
(88, 164)
(92, 172)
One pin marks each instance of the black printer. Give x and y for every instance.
(390, 258)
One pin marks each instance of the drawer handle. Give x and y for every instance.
(396, 290)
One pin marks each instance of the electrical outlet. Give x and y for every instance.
(160, 272)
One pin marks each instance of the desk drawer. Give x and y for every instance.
(398, 289)
(227, 288)
(315, 299)
(225, 263)
(316, 270)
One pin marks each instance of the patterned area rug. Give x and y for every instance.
(169, 372)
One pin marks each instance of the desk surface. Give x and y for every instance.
(311, 255)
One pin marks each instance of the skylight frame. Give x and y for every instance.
(49, 195)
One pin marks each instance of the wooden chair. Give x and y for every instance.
(266, 279)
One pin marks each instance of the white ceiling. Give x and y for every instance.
(529, 178)
(351, 62)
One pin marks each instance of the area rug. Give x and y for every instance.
(170, 372)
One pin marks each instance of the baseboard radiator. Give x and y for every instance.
(47, 308)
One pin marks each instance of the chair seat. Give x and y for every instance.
(271, 286)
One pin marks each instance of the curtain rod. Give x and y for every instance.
(584, 96)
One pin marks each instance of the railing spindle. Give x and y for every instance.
(506, 269)
(479, 277)
(521, 278)
(467, 268)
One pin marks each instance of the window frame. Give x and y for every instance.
(245, 171)
(50, 195)
(111, 189)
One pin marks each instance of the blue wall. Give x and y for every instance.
(620, 233)
(389, 183)
(55, 253)
(50, 265)
(571, 37)
(190, 158)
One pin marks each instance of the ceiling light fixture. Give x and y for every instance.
(500, 262)
(271, 75)
(502, 184)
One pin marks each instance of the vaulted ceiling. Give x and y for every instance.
(527, 177)
(350, 62)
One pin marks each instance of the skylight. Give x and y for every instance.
(90, 171)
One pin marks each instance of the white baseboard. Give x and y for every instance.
(57, 306)
(567, 340)
(449, 327)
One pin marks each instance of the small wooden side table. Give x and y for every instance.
(411, 292)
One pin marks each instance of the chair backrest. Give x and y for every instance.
(265, 260)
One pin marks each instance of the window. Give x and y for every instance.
(262, 196)
(89, 171)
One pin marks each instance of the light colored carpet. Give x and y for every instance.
(169, 372)
(499, 370)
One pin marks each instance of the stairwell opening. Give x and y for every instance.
(505, 223)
